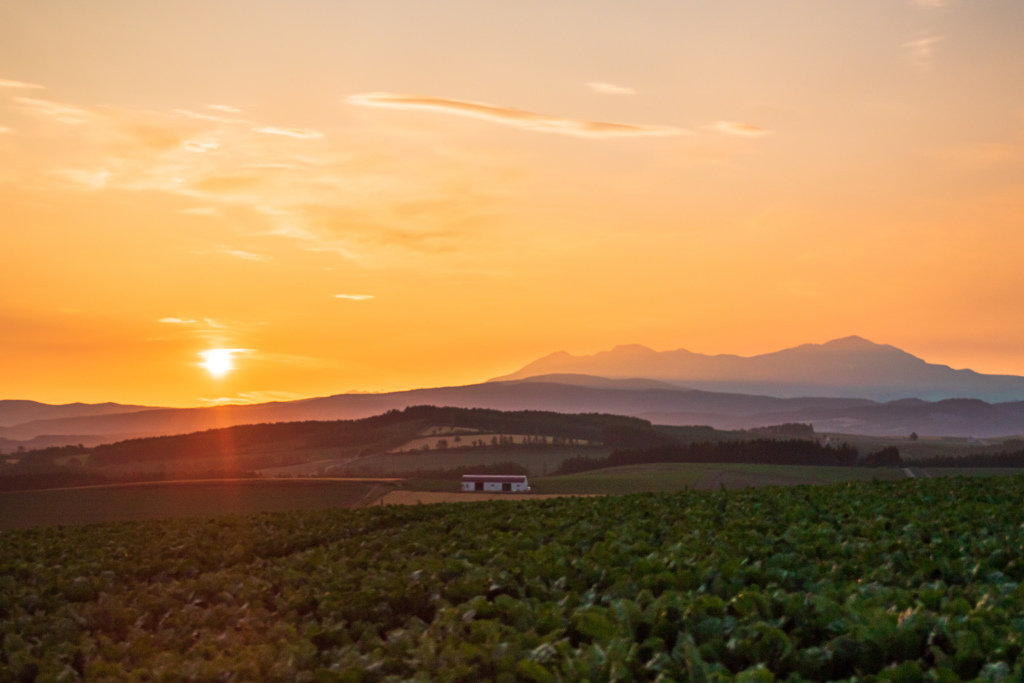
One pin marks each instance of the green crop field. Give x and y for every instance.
(914, 580)
(968, 471)
(19, 509)
(679, 476)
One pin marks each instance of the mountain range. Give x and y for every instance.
(851, 367)
(849, 385)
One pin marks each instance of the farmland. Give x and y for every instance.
(537, 460)
(910, 580)
(676, 477)
(20, 509)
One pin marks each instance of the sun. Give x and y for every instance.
(219, 362)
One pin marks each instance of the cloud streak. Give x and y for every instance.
(244, 255)
(920, 52)
(301, 133)
(610, 89)
(742, 129)
(354, 297)
(516, 118)
(4, 83)
(55, 110)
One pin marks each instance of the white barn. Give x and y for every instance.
(495, 482)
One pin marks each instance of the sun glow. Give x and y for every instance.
(219, 362)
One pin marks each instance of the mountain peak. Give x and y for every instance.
(852, 367)
(635, 349)
(851, 342)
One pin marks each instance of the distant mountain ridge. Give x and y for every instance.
(573, 394)
(851, 367)
(848, 385)
(13, 412)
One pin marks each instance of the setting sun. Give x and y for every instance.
(218, 362)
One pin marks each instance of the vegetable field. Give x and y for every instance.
(906, 581)
(679, 476)
(129, 502)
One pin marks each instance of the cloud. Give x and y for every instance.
(93, 179)
(742, 129)
(920, 52)
(931, 3)
(18, 84)
(244, 255)
(205, 322)
(250, 397)
(5, 129)
(375, 199)
(516, 118)
(201, 146)
(301, 133)
(354, 297)
(224, 108)
(199, 116)
(61, 112)
(610, 89)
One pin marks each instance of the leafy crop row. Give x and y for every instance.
(909, 581)
(755, 451)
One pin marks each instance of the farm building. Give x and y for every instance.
(495, 482)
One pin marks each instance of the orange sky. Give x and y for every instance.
(387, 195)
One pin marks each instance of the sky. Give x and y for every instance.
(218, 201)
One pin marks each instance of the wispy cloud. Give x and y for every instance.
(224, 108)
(244, 255)
(302, 133)
(509, 116)
(250, 397)
(200, 116)
(201, 146)
(61, 112)
(18, 84)
(91, 178)
(737, 128)
(921, 52)
(610, 89)
(931, 3)
(5, 129)
(354, 297)
(374, 200)
(204, 322)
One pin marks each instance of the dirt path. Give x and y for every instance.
(425, 497)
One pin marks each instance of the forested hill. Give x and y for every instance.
(371, 435)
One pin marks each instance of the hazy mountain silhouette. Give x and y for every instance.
(18, 412)
(849, 367)
(665, 405)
